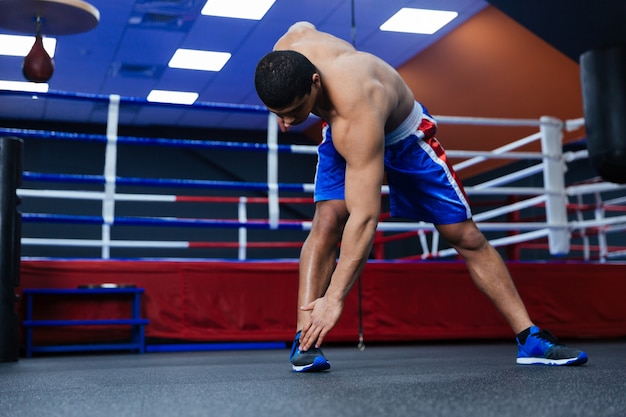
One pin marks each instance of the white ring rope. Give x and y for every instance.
(490, 121)
(498, 151)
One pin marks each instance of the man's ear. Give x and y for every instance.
(316, 79)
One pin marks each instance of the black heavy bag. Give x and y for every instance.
(603, 75)
(10, 235)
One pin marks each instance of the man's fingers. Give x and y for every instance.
(304, 337)
(309, 337)
(312, 336)
(320, 339)
(315, 330)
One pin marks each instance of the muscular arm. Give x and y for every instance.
(362, 147)
(360, 140)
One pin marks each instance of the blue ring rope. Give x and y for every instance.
(159, 182)
(241, 108)
(131, 140)
(154, 221)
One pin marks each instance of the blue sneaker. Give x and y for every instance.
(540, 347)
(312, 360)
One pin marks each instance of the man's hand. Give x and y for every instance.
(324, 316)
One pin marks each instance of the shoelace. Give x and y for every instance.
(547, 336)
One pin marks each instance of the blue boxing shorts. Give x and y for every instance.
(422, 183)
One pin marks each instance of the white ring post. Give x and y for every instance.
(110, 169)
(423, 242)
(243, 231)
(435, 243)
(554, 183)
(583, 232)
(272, 170)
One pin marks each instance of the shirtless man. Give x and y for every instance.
(377, 127)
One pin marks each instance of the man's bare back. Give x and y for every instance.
(350, 78)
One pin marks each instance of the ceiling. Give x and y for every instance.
(128, 51)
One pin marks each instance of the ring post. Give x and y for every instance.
(554, 184)
(110, 172)
(272, 170)
(10, 234)
(243, 232)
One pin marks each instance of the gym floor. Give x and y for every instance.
(443, 379)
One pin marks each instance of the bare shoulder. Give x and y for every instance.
(303, 37)
(301, 26)
(360, 75)
(296, 33)
(363, 87)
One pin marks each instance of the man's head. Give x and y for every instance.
(282, 77)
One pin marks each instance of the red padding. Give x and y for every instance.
(256, 301)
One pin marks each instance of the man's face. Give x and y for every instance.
(296, 113)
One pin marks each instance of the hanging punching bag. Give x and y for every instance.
(603, 77)
(38, 66)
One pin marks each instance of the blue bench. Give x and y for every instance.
(137, 340)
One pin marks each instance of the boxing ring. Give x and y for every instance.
(211, 251)
(566, 212)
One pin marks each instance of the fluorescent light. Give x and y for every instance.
(238, 9)
(24, 86)
(176, 97)
(423, 21)
(15, 45)
(199, 60)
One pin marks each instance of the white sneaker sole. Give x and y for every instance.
(319, 364)
(543, 361)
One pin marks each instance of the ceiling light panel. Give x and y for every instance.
(175, 97)
(199, 60)
(423, 21)
(24, 86)
(16, 45)
(237, 9)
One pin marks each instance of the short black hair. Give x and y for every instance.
(281, 77)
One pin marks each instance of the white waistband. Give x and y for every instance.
(407, 127)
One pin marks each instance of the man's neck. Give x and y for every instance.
(323, 107)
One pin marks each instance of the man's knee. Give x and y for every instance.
(330, 218)
(464, 236)
(473, 239)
